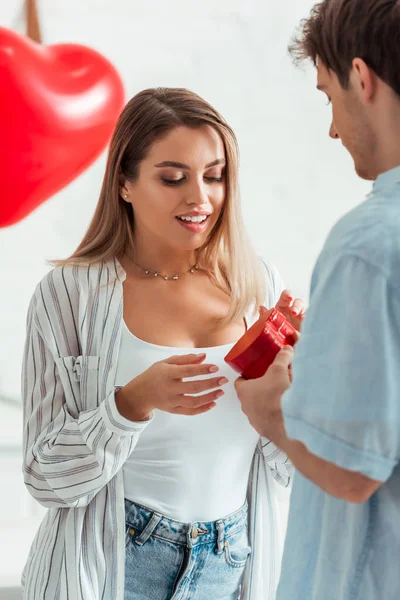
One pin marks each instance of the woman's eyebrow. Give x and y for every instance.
(178, 165)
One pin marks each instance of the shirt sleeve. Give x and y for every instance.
(344, 404)
(274, 283)
(67, 459)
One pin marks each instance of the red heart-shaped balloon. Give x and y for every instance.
(58, 108)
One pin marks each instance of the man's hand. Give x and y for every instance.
(261, 398)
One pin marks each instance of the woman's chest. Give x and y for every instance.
(224, 426)
(182, 317)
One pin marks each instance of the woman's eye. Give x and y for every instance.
(214, 179)
(172, 181)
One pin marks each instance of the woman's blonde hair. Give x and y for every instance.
(227, 254)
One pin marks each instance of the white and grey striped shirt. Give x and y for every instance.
(76, 443)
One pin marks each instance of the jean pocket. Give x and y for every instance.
(237, 549)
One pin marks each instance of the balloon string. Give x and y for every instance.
(32, 21)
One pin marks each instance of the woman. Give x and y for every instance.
(134, 438)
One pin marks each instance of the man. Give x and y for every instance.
(339, 422)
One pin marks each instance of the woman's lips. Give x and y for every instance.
(193, 226)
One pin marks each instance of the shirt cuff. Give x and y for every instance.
(116, 423)
(337, 451)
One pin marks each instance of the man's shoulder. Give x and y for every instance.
(370, 231)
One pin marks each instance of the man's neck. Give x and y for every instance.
(388, 148)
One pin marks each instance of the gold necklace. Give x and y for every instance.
(167, 277)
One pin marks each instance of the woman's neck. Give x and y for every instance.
(159, 258)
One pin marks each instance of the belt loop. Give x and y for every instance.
(221, 536)
(148, 530)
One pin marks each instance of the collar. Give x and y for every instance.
(116, 269)
(388, 179)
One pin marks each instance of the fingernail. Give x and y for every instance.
(223, 381)
(219, 394)
(213, 369)
(200, 355)
(295, 311)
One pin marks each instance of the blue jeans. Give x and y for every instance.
(169, 560)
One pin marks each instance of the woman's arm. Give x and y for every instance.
(67, 460)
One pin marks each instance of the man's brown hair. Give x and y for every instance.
(338, 31)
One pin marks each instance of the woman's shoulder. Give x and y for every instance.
(274, 282)
(71, 280)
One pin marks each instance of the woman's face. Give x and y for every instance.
(180, 189)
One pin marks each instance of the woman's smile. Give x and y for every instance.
(196, 222)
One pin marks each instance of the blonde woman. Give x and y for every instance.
(157, 486)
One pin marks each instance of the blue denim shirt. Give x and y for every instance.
(344, 405)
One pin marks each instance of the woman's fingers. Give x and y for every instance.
(187, 371)
(264, 312)
(195, 402)
(298, 307)
(285, 300)
(192, 412)
(185, 359)
(196, 387)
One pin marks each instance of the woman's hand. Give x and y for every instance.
(161, 387)
(292, 309)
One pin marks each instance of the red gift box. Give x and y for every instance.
(256, 350)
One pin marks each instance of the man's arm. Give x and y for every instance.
(339, 422)
(342, 483)
(264, 412)
(347, 485)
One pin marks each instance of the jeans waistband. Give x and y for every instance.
(145, 522)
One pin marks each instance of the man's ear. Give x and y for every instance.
(363, 80)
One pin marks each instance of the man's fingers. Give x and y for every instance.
(296, 335)
(281, 363)
(239, 385)
(284, 357)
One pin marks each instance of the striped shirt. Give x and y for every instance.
(76, 443)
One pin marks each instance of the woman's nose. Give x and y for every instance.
(198, 195)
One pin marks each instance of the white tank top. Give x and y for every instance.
(188, 468)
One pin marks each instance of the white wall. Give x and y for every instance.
(295, 181)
